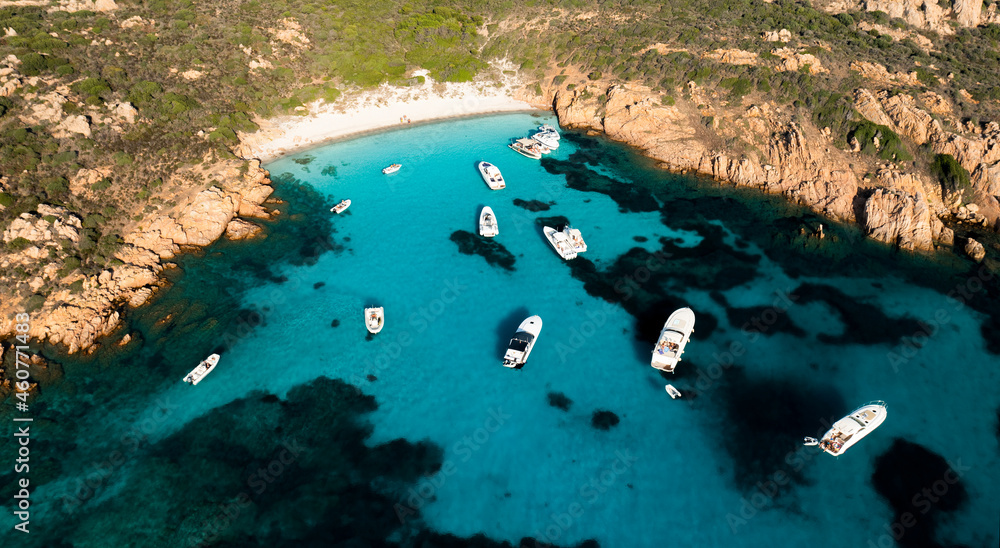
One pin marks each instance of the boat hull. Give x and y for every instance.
(491, 176)
(341, 207)
(520, 346)
(851, 429)
(202, 370)
(374, 319)
(673, 339)
(488, 223)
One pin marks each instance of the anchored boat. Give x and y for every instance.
(488, 223)
(673, 338)
(523, 341)
(674, 393)
(527, 147)
(391, 169)
(548, 139)
(491, 175)
(203, 369)
(560, 242)
(341, 207)
(850, 429)
(374, 319)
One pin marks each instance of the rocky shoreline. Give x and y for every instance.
(76, 317)
(793, 157)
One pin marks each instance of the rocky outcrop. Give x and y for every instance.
(782, 35)
(898, 218)
(879, 74)
(975, 250)
(792, 60)
(85, 5)
(734, 56)
(77, 317)
(795, 162)
(978, 150)
(238, 229)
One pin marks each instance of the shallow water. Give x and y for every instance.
(485, 452)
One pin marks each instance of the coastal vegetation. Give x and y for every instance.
(102, 110)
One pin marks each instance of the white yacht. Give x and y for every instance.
(850, 429)
(391, 169)
(546, 128)
(488, 223)
(549, 139)
(341, 207)
(523, 341)
(491, 174)
(673, 338)
(527, 147)
(374, 319)
(203, 369)
(674, 393)
(560, 242)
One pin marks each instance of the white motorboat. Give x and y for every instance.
(341, 207)
(491, 175)
(391, 169)
(374, 319)
(546, 128)
(673, 338)
(203, 369)
(523, 341)
(488, 223)
(850, 429)
(560, 242)
(527, 147)
(548, 139)
(674, 393)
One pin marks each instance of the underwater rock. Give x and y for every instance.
(766, 320)
(603, 419)
(559, 401)
(863, 323)
(919, 485)
(532, 205)
(318, 285)
(493, 251)
(335, 323)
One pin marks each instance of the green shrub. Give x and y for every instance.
(33, 303)
(18, 243)
(6, 200)
(890, 146)
(76, 286)
(101, 185)
(953, 177)
(94, 220)
(122, 158)
(595, 75)
(57, 185)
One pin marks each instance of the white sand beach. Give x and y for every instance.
(384, 107)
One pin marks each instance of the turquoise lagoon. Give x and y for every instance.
(425, 438)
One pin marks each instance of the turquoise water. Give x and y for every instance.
(453, 443)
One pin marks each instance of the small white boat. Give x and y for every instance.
(548, 139)
(374, 319)
(203, 369)
(673, 338)
(546, 128)
(850, 429)
(488, 223)
(392, 169)
(491, 175)
(523, 341)
(341, 207)
(560, 242)
(527, 147)
(674, 393)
